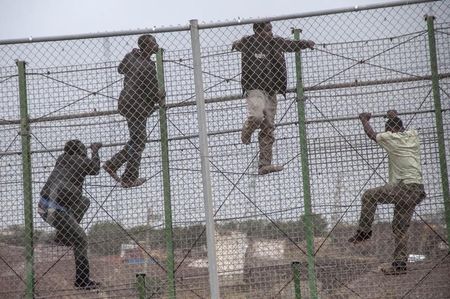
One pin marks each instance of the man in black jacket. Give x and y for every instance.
(264, 76)
(63, 206)
(137, 102)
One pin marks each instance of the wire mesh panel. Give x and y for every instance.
(12, 258)
(374, 66)
(118, 185)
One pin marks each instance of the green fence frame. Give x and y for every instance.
(309, 232)
(27, 183)
(166, 180)
(439, 121)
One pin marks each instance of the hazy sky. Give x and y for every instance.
(36, 18)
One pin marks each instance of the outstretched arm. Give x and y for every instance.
(288, 45)
(370, 132)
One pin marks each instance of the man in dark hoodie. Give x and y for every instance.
(63, 206)
(137, 102)
(264, 75)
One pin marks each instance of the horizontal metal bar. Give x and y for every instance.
(92, 35)
(232, 98)
(314, 14)
(210, 25)
(223, 132)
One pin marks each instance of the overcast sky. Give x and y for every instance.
(37, 18)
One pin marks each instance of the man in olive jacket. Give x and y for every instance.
(264, 76)
(137, 102)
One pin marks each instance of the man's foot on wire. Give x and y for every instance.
(397, 268)
(111, 172)
(360, 236)
(87, 284)
(266, 169)
(131, 184)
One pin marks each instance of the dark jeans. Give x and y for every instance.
(67, 224)
(131, 153)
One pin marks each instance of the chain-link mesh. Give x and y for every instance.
(129, 214)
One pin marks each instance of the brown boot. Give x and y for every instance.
(266, 169)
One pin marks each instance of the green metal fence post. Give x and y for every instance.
(27, 188)
(296, 274)
(166, 180)
(439, 121)
(309, 232)
(142, 291)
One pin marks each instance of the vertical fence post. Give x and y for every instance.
(27, 188)
(296, 274)
(204, 155)
(140, 281)
(166, 180)
(439, 121)
(305, 173)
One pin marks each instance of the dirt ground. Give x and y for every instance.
(343, 271)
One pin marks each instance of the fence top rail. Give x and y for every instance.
(212, 25)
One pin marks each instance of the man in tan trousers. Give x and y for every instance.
(264, 76)
(405, 189)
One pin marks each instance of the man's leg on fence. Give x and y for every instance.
(266, 137)
(255, 109)
(369, 201)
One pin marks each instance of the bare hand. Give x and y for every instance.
(365, 116)
(310, 44)
(391, 114)
(96, 146)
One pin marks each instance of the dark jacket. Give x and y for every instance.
(263, 62)
(140, 87)
(65, 183)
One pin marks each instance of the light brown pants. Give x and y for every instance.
(261, 109)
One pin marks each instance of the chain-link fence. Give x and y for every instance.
(270, 190)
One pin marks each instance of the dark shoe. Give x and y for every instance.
(135, 183)
(397, 268)
(360, 236)
(266, 169)
(87, 284)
